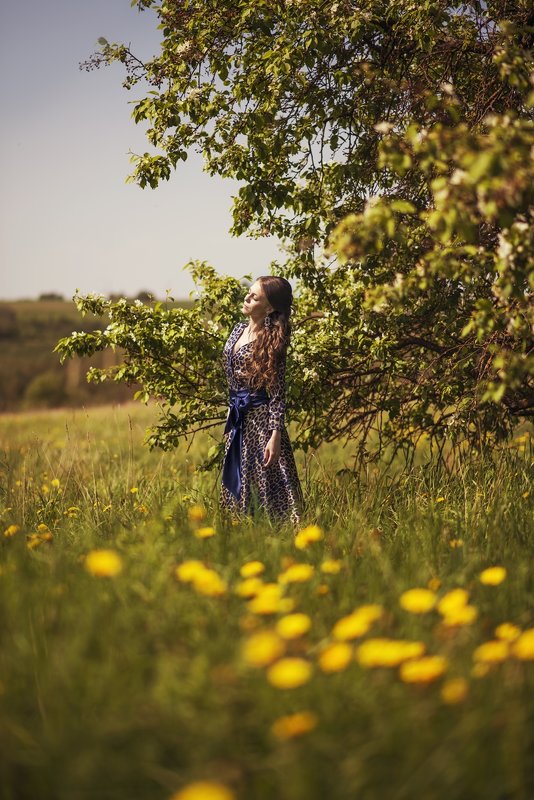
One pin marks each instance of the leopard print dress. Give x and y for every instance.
(275, 488)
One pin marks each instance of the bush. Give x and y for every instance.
(46, 390)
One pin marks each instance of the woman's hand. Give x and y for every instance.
(272, 451)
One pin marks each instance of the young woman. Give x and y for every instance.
(258, 456)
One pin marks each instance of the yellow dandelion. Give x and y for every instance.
(141, 508)
(134, 490)
(383, 652)
(440, 499)
(423, 670)
(196, 513)
(452, 600)
(297, 573)
(331, 566)
(335, 657)
(251, 569)
(188, 570)
(42, 527)
(523, 647)
(418, 601)
(507, 631)
(371, 612)
(454, 543)
(350, 627)
(492, 576)
(209, 583)
(288, 673)
(463, 615)
(293, 626)
(492, 652)
(262, 648)
(293, 725)
(11, 530)
(312, 533)
(55, 483)
(267, 600)
(454, 690)
(249, 587)
(204, 533)
(204, 790)
(322, 589)
(433, 584)
(103, 563)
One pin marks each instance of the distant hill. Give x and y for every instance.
(30, 373)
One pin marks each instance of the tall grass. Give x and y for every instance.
(135, 685)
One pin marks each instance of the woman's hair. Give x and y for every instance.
(271, 342)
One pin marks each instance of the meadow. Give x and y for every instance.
(153, 648)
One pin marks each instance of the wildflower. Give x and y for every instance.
(288, 673)
(335, 657)
(297, 573)
(331, 566)
(440, 499)
(72, 511)
(433, 584)
(55, 483)
(523, 647)
(382, 652)
(262, 648)
(418, 601)
(187, 570)
(252, 568)
(312, 533)
(209, 583)
(103, 563)
(507, 631)
(141, 508)
(492, 576)
(454, 690)
(204, 790)
(42, 527)
(196, 513)
(35, 539)
(463, 615)
(11, 530)
(267, 600)
(293, 725)
(322, 589)
(350, 627)
(134, 490)
(454, 543)
(293, 626)
(452, 600)
(492, 652)
(423, 670)
(204, 533)
(249, 587)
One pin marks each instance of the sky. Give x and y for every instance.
(68, 220)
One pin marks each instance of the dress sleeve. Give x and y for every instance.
(277, 402)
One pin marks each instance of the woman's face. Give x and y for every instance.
(255, 304)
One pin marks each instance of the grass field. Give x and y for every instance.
(151, 648)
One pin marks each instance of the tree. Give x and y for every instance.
(388, 144)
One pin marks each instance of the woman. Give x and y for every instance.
(258, 457)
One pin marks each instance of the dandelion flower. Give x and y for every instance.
(454, 690)
(209, 583)
(492, 652)
(55, 483)
(423, 670)
(288, 673)
(262, 648)
(11, 530)
(507, 631)
(204, 790)
(433, 584)
(204, 533)
(297, 573)
(331, 566)
(196, 513)
(312, 533)
(249, 587)
(293, 725)
(293, 626)
(452, 600)
(383, 652)
(350, 627)
(523, 647)
(492, 576)
(418, 601)
(463, 615)
(188, 570)
(103, 563)
(336, 657)
(251, 569)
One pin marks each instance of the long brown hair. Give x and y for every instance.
(271, 342)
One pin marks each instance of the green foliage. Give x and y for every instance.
(389, 146)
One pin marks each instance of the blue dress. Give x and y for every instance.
(275, 488)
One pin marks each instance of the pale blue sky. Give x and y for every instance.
(68, 219)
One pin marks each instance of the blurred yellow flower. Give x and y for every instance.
(462, 615)
(507, 631)
(11, 530)
(479, 670)
(423, 670)
(262, 648)
(322, 589)
(268, 600)
(251, 569)
(433, 584)
(297, 573)
(440, 499)
(103, 563)
(204, 533)
(454, 690)
(312, 533)
(418, 601)
(453, 543)
(331, 566)
(134, 490)
(452, 600)
(293, 725)
(335, 657)
(209, 583)
(492, 576)
(249, 587)
(350, 627)
(523, 647)
(204, 790)
(54, 482)
(288, 673)
(383, 652)
(492, 652)
(187, 570)
(196, 513)
(293, 626)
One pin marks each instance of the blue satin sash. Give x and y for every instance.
(240, 401)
